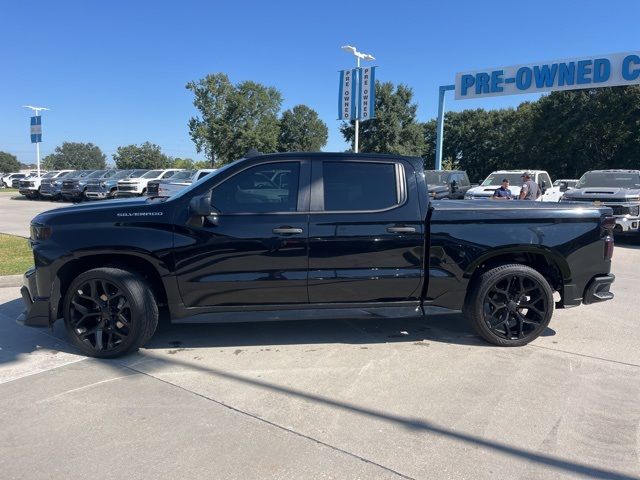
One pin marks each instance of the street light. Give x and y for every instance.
(36, 111)
(359, 56)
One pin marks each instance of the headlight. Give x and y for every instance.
(40, 231)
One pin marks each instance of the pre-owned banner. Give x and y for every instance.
(367, 93)
(347, 95)
(36, 129)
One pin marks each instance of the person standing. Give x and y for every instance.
(530, 189)
(503, 192)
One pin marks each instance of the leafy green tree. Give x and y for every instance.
(233, 118)
(395, 128)
(202, 164)
(186, 163)
(8, 163)
(147, 155)
(75, 156)
(301, 130)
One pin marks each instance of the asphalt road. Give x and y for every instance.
(398, 398)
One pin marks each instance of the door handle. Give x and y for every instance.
(286, 231)
(401, 229)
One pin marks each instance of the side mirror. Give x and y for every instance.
(563, 186)
(200, 206)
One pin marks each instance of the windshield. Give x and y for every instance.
(109, 173)
(184, 175)
(609, 179)
(49, 174)
(67, 174)
(152, 174)
(96, 174)
(495, 179)
(436, 178)
(122, 174)
(186, 191)
(136, 173)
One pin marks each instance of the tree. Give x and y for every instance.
(75, 156)
(233, 118)
(185, 163)
(395, 128)
(8, 163)
(301, 130)
(147, 155)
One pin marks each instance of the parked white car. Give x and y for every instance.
(166, 188)
(494, 180)
(131, 187)
(554, 193)
(30, 186)
(6, 180)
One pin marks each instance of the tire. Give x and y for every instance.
(112, 193)
(109, 312)
(510, 305)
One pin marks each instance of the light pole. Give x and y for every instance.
(359, 56)
(36, 111)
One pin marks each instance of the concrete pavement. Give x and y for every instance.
(398, 398)
(403, 398)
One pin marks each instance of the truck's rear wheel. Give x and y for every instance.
(510, 305)
(109, 312)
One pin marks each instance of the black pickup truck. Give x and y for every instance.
(338, 235)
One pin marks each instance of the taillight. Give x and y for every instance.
(608, 223)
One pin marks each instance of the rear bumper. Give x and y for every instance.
(36, 309)
(598, 289)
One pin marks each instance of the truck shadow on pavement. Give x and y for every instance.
(449, 328)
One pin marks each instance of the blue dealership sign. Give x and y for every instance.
(575, 73)
(36, 129)
(367, 93)
(357, 94)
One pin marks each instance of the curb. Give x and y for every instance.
(10, 281)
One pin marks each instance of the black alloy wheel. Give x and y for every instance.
(100, 315)
(109, 312)
(510, 305)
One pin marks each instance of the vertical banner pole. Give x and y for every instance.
(355, 143)
(38, 156)
(440, 125)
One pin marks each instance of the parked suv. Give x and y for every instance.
(107, 187)
(166, 188)
(618, 189)
(30, 186)
(73, 188)
(447, 184)
(494, 180)
(133, 187)
(6, 180)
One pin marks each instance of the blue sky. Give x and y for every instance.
(114, 72)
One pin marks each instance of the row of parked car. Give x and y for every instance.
(80, 185)
(615, 188)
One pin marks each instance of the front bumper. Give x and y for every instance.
(627, 223)
(36, 309)
(29, 192)
(71, 193)
(96, 195)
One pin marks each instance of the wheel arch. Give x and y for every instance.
(132, 263)
(549, 264)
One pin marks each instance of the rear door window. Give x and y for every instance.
(359, 186)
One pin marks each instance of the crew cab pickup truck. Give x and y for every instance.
(338, 235)
(618, 189)
(485, 190)
(447, 184)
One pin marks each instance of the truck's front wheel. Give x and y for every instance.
(109, 312)
(509, 305)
